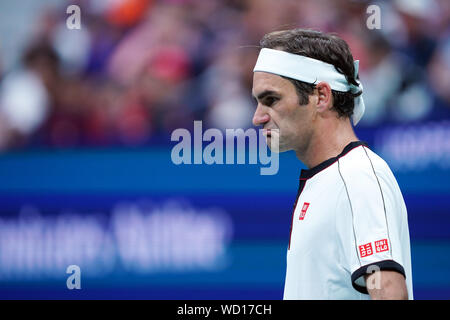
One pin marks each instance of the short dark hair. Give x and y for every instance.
(326, 47)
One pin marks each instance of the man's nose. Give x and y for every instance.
(260, 117)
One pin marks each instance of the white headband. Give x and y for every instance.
(311, 71)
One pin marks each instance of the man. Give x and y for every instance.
(349, 233)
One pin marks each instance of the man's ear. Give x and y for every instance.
(324, 97)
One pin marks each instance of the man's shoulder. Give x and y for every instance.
(363, 159)
(361, 163)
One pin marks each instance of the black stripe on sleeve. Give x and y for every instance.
(351, 210)
(384, 203)
(387, 265)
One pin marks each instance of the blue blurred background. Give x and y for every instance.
(86, 176)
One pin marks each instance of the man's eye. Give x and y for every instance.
(270, 101)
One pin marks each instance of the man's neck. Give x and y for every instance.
(327, 142)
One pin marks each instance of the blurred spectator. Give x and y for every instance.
(230, 104)
(439, 70)
(127, 13)
(383, 63)
(73, 48)
(25, 95)
(138, 69)
(1, 62)
(439, 76)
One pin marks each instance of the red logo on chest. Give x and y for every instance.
(303, 212)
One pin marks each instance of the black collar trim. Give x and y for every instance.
(309, 173)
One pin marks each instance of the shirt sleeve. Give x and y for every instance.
(366, 223)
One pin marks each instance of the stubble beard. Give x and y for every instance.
(273, 140)
(276, 142)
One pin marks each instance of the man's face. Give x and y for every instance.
(278, 108)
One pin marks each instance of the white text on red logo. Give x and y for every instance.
(304, 209)
(365, 250)
(381, 245)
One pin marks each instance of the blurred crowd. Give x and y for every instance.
(138, 69)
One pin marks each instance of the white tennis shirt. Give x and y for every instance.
(349, 218)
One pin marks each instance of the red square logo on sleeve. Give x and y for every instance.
(365, 250)
(381, 245)
(303, 212)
